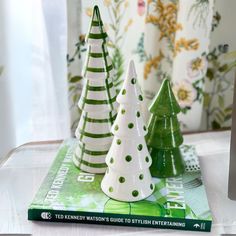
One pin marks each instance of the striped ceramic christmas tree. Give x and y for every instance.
(97, 102)
(128, 177)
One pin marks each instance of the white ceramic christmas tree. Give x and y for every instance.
(128, 177)
(97, 102)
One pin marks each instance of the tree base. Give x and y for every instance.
(128, 186)
(166, 163)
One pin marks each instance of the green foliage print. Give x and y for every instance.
(199, 11)
(220, 81)
(117, 28)
(74, 81)
(117, 61)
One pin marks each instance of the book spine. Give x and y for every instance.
(116, 219)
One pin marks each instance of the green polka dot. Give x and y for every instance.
(138, 114)
(140, 97)
(110, 189)
(116, 127)
(135, 193)
(151, 186)
(147, 159)
(144, 128)
(121, 179)
(141, 176)
(111, 160)
(123, 92)
(140, 147)
(118, 141)
(130, 125)
(133, 81)
(123, 111)
(128, 158)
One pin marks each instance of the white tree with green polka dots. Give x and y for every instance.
(97, 102)
(127, 177)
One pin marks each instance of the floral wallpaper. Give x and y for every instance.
(117, 30)
(167, 39)
(219, 79)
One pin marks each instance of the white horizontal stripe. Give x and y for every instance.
(97, 30)
(98, 75)
(101, 95)
(90, 158)
(98, 108)
(92, 169)
(96, 41)
(97, 48)
(101, 115)
(96, 128)
(97, 141)
(89, 169)
(99, 62)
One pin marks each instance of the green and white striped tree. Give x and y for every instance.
(128, 177)
(97, 102)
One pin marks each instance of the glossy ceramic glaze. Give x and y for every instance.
(164, 136)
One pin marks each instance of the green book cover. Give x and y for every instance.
(70, 195)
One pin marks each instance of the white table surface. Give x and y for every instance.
(22, 174)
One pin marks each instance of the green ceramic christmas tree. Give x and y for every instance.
(97, 102)
(164, 136)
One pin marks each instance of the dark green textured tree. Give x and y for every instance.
(164, 136)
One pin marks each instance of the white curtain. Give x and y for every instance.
(33, 82)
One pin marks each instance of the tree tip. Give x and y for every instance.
(132, 71)
(96, 8)
(165, 83)
(165, 102)
(96, 12)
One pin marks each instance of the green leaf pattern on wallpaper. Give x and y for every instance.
(219, 78)
(74, 81)
(209, 75)
(199, 12)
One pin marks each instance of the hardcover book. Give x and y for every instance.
(70, 195)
